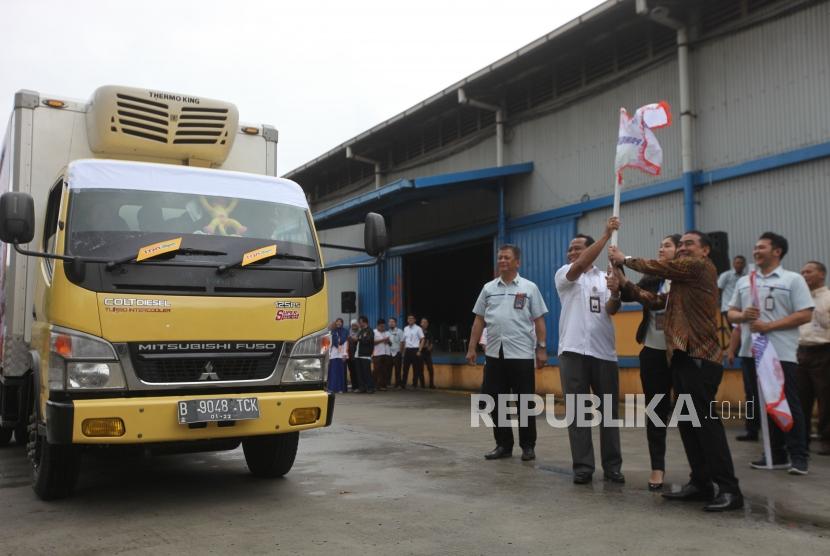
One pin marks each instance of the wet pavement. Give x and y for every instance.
(403, 473)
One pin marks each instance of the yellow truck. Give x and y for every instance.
(161, 287)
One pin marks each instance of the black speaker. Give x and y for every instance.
(348, 302)
(720, 250)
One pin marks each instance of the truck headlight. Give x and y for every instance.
(81, 361)
(94, 375)
(308, 359)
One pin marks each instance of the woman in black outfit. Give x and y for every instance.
(655, 374)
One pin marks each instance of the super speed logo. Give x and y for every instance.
(283, 314)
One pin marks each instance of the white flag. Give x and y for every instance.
(637, 146)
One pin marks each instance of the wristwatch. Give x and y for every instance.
(541, 345)
(627, 258)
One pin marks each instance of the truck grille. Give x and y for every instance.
(201, 126)
(203, 367)
(143, 118)
(150, 119)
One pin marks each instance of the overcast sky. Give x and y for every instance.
(320, 71)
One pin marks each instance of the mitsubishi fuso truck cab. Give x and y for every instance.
(171, 293)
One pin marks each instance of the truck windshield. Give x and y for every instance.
(114, 222)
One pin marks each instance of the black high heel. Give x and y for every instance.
(656, 486)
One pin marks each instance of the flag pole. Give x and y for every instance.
(764, 422)
(616, 211)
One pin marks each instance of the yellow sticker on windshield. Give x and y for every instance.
(149, 251)
(259, 254)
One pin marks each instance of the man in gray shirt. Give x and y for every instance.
(785, 304)
(514, 311)
(727, 281)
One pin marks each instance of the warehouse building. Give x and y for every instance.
(522, 151)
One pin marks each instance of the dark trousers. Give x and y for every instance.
(753, 421)
(354, 373)
(581, 374)
(364, 368)
(426, 361)
(813, 377)
(411, 359)
(655, 374)
(706, 447)
(794, 441)
(510, 376)
(380, 370)
(397, 359)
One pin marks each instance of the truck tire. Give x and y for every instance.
(5, 435)
(54, 467)
(271, 456)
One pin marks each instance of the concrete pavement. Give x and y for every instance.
(403, 473)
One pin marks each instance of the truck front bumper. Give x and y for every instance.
(155, 419)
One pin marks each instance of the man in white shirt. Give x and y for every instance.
(413, 341)
(381, 355)
(587, 351)
(785, 304)
(813, 356)
(396, 336)
(506, 306)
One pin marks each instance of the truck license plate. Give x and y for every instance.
(218, 409)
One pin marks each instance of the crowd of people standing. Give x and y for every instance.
(367, 360)
(681, 294)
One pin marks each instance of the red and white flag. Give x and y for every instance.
(637, 146)
(769, 371)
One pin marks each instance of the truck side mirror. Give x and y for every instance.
(374, 234)
(17, 217)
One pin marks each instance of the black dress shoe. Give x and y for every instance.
(614, 477)
(528, 454)
(499, 452)
(653, 487)
(725, 502)
(748, 437)
(691, 493)
(582, 478)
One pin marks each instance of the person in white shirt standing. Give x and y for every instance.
(813, 372)
(587, 351)
(413, 341)
(396, 336)
(381, 355)
(507, 305)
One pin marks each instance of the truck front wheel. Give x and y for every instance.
(55, 467)
(271, 456)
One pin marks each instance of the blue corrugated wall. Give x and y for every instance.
(544, 248)
(368, 292)
(392, 294)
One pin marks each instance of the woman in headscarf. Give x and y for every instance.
(337, 357)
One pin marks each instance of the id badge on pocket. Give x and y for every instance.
(595, 306)
(519, 301)
(769, 303)
(660, 321)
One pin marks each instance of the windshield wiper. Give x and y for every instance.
(288, 256)
(179, 251)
